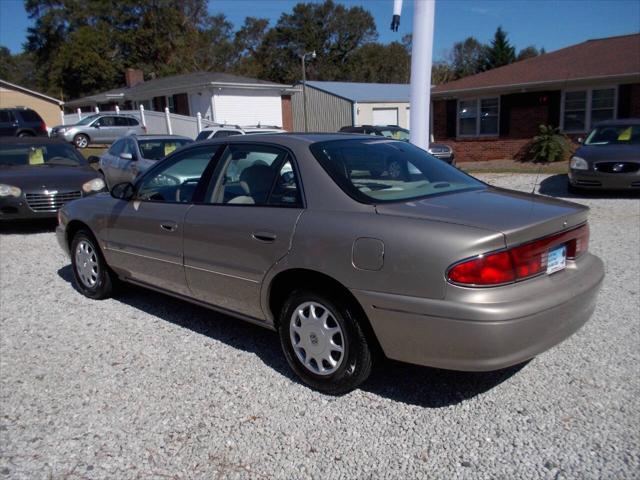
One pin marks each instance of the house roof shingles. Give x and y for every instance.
(605, 57)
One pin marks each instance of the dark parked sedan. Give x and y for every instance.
(38, 176)
(609, 158)
(436, 268)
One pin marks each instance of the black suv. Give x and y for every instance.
(21, 122)
(438, 150)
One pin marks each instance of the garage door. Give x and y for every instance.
(385, 116)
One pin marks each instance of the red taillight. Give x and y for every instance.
(518, 263)
(43, 126)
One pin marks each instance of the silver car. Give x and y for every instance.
(100, 128)
(434, 268)
(129, 156)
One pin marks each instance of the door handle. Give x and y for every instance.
(266, 237)
(169, 227)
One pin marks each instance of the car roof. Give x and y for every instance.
(160, 136)
(619, 121)
(285, 139)
(32, 141)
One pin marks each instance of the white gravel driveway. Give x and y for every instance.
(145, 386)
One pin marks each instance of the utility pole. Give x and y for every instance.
(304, 56)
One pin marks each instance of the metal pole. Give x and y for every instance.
(421, 58)
(167, 117)
(304, 92)
(144, 121)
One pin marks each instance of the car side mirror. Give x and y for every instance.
(95, 125)
(123, 191)
(126, 156)
(93, 160)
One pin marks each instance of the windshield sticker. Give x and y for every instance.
(169, 147)
(36, 156)
(625, 135)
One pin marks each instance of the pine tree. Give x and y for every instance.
(500, 52)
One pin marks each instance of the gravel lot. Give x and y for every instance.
(145, 386)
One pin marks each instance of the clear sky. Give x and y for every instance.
(551, 24)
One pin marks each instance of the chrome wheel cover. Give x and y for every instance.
(87, 264)
(81, 141)
(316, 338)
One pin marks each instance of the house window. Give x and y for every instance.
(478, 116)
(584, 108)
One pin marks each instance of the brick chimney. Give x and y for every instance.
(133, 76)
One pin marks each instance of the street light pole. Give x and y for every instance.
(304, 85)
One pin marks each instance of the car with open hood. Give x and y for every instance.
(434, 268)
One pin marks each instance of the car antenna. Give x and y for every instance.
(535, 183)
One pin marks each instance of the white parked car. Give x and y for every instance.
(229, 130)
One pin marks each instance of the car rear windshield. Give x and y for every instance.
(37, 155)
(614, 135)
(379, 170)
(157, 149)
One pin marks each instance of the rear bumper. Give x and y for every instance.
(604, 181)
(486, 329)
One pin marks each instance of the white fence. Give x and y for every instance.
(155, 122)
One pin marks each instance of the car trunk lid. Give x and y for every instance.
(520, 217)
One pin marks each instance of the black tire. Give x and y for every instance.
(81, 140)
(356, 361)
(104, 279)
(25, 134)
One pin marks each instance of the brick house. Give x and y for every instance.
(494, 114)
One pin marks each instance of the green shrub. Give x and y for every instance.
(548, 146)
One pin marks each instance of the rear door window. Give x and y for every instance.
(121, 121)
(132, 122)
(255, 175)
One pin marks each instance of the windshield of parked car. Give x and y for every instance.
(395, 133)
(614, 135)
(382, 170)
(87, 120)
(160, 148)
(38, 155)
